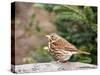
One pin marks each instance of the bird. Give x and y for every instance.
(61, 49)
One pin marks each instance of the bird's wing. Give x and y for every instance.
(65, 45)
(70, 47)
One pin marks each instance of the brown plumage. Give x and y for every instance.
(61, 49)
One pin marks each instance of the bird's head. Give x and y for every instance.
(53, 37)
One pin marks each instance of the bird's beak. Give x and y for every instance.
(48, 36)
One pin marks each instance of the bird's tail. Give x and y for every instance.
(83, 52)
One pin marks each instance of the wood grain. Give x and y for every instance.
(53, 66)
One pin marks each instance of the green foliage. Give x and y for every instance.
(42, 55)
(82, 58)
(77, 24)
(70, 16)
(80, 29)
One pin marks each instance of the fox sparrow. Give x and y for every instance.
(61, 49)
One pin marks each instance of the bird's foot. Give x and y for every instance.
(58, 61)
(64, 61)
(61, 61)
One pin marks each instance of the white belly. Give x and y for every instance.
(67, 56)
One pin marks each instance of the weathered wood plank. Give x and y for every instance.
(53, 66)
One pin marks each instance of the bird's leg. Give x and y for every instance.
(64, 61)
(58, 61)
